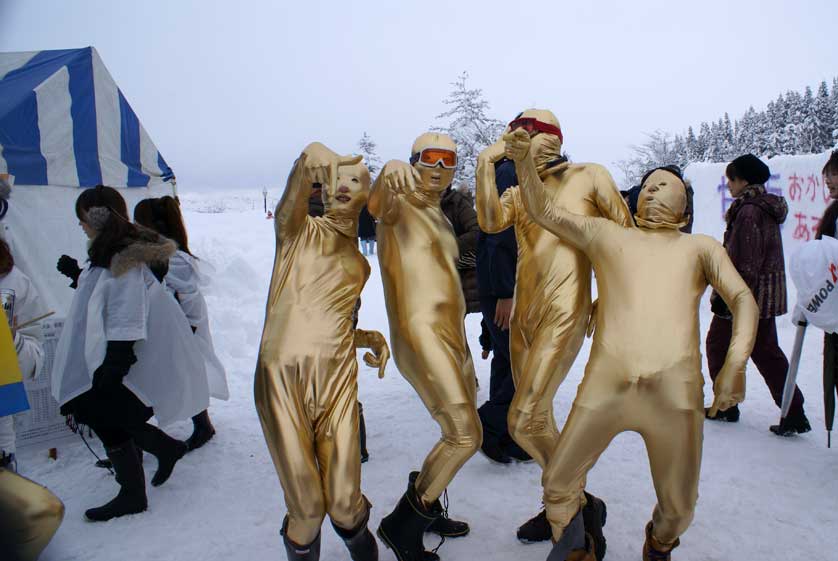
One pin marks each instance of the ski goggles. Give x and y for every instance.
(533, 125)
(431, 157)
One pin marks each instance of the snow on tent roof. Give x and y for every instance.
(64, 122)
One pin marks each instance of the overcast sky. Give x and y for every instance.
(232, 91)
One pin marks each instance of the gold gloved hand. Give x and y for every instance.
(400, 177)
(728, 390)
(517, 144)
(493, 153)
(376, 342)
(320, 165)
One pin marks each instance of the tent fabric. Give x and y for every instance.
(64, 122)
(65, 125)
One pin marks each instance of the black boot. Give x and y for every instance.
(443, 526)
(362, 429)
(517, 453)
(166, 449)
(402, 529)
(653, 550)
(296, 552)
(794, 423)
(131, 498)
(359, 540)
(492, 449)
(202, 431)
(575, 544)
(730, 415)
(594, 515)
(536, 529)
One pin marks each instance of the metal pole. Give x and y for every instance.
(791, 376)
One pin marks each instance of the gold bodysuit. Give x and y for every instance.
(306, 377)
(552, 301)
(425, 308)
(644, 371)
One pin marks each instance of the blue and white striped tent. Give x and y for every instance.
(64, 124)
(64, 121)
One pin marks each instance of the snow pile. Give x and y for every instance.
(224, 201)
(762, 497)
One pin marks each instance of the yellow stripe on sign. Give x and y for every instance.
(9, 367)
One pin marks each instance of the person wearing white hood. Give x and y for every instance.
(184, 279)
(126, 352)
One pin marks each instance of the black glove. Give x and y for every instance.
(119, 357)
(718, 306)
(69, 267)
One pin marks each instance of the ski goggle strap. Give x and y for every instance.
(531, 125)
(432, 156)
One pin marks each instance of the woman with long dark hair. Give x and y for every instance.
(183, 280)
(124, 353)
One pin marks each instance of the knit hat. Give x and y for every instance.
(750, 168)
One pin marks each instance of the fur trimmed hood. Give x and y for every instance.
(147, 248)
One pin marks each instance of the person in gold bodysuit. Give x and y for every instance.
(552, 300)
(644, 371)
(306, 378)
(425, 308)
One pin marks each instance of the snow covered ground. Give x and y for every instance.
(762, 497)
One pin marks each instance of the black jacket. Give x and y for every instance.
(460, 213)
(366, 225)
(497, 254)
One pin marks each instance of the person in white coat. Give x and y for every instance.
(29, 512)
(184, 280)
(21, 304)
(126, 351)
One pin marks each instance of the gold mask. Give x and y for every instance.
(546, 148)
(351, 191)
(435, 178)
(662, 202)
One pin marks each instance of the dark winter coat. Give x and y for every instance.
(315, 204)
(497, 254)
(366, 225)
(753, 242)
(460, 212)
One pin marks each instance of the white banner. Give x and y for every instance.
(42, 426)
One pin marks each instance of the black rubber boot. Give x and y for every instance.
(518, 454)
(653, 550)
(794, 423)
(402, 529)
(166, 449)
(443, 526)
(296, 552)
(131, 498)
(594, 515)
(359, 540)
(730, 415)
(202, 431)
(494, 452)
(574, 544)
(536, 529)
(362, 429)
